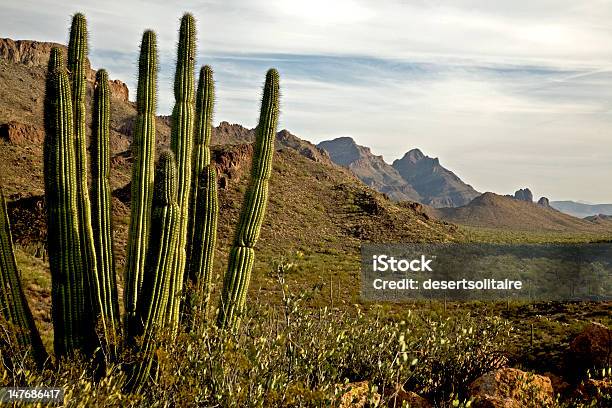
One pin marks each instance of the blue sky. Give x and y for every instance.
(507, 94)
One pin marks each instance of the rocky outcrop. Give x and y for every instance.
(36, 54)
(438, 186)
(544, 202)
(401, 398)
(358, 395)
(592, 348)
(524, 194)
(511, 388)
(21, 134)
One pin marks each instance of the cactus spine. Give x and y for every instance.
(242, 255)
(182, 146)
(159, 269)
(143, 150)
(72, 320)
(204, 207)
(77, 56)
(13, 302)
(101, 206)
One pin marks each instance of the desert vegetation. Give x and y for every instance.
(305, 340)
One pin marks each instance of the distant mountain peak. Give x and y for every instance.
(414, 155)
(414, 177)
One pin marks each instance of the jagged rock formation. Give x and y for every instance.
(438, 186)
(544, 202)
(524, 194)
(36, 54)
(369, 168)
(414, 177)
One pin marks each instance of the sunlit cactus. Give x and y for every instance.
(182, 146)
(143, 151)
(101, 209)
(242, 255)
(13, 302)
(71, 310)
(204, 207)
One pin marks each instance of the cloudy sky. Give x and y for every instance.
(507, 94)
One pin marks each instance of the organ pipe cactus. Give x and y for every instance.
(242, 254)
(204, 207)
(143, 151)
(13, 302)
(159, 269)
(77, 56)
(72, 320)
(182, 146)
(101, 207)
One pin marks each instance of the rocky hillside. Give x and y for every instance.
(414, 177)
(438, 186)
(495, 211)
(313, 202)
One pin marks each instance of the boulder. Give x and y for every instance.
(544, 202)
(524, 194)
(397, 397)
(592, 348)
(358, 395)
(21, 134)
(511, 388)
(594, 389)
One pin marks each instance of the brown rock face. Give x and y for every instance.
(358, 395)
(21, 134)
(591, 349)
(511, 388)
(36, 54)
(411, 399)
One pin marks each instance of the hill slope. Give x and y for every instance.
(494, 211)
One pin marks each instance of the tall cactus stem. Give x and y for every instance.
(13, 302)
(242, 256)
(182, 146)
(159, 270)
(143, 151)
(101, 210)
(72, 320)
(204, 208)
(77, 57)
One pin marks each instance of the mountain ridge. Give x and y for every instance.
(414, 177)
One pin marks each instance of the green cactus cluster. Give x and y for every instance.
(174, 211)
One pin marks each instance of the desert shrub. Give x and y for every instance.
(292, 356)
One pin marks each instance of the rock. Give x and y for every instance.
(592, 348)
(36, 54)
(544, 202)
(524, 194)
(511, 388)
(593, 389)
(358, 395)
(560, 386)
(412, 399)
(18, 133)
